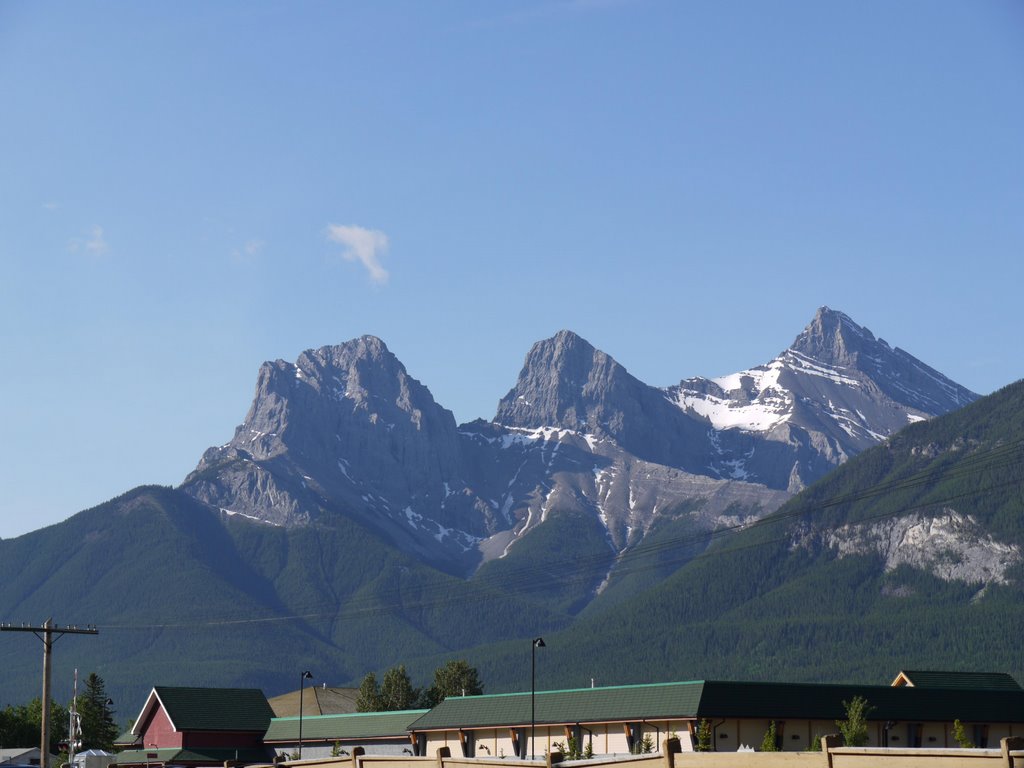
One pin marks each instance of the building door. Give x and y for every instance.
(915, 734)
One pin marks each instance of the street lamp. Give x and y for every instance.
(307, 675)
(538, 642)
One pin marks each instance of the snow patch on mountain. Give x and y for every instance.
(812, 367)
(770, 406)
(232, 513)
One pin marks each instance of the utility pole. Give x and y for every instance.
(46, 634)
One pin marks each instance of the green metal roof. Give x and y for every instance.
(989, 681)
(216, 709)
(127, 739)
(710, 698)
(360, 725)
(581, 705)
(825, 702)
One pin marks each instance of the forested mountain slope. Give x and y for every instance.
(909, 555)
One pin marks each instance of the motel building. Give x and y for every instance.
(917, 710)
(197, 727)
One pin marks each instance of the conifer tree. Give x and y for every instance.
(770, 742)
(99, 731)
(703, 736)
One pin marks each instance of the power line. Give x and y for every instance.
(638, 559)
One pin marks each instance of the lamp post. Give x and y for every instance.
(307, 675)
(538, 642)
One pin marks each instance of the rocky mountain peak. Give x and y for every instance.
(565, 355)
(344, 422)
(360, 376)
(566, 383)
(563, 380)
(367, 349)
(365, 372)
(835, 339)
(834, 392)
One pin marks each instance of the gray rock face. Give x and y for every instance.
(949, 545)
(536, 473)
(345, 431)
(566, 383)
(834, 340)
(834, 392)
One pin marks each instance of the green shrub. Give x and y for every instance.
(855, 727)
(770, 742)
(960, 735)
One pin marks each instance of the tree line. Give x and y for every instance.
(395, 691)
(20, 726)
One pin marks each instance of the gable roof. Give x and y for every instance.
(209, 709)
(987, 681)
(358, 725)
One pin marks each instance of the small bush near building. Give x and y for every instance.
(703, 736)
(855, 727)
(770, 742)
(960, 735)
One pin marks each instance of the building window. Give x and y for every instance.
(981, 735)
(634, 733)
(520, 743)
(468, 742)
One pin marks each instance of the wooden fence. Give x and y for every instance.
(1009, 755)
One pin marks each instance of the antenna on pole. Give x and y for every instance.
(74, 725)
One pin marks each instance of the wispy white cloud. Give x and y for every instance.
(363, 245)
(247, 252)
(97, 243)
(50, 205)
(94, 243)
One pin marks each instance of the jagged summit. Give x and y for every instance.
(310, 404)
(566, 383)
(346, 427)
(834, 392)
(832, 337)
(562, 383)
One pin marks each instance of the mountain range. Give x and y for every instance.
(349, 507)
(345, 430)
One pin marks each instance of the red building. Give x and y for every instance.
(199, 727)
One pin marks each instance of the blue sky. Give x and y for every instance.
(188, 189)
